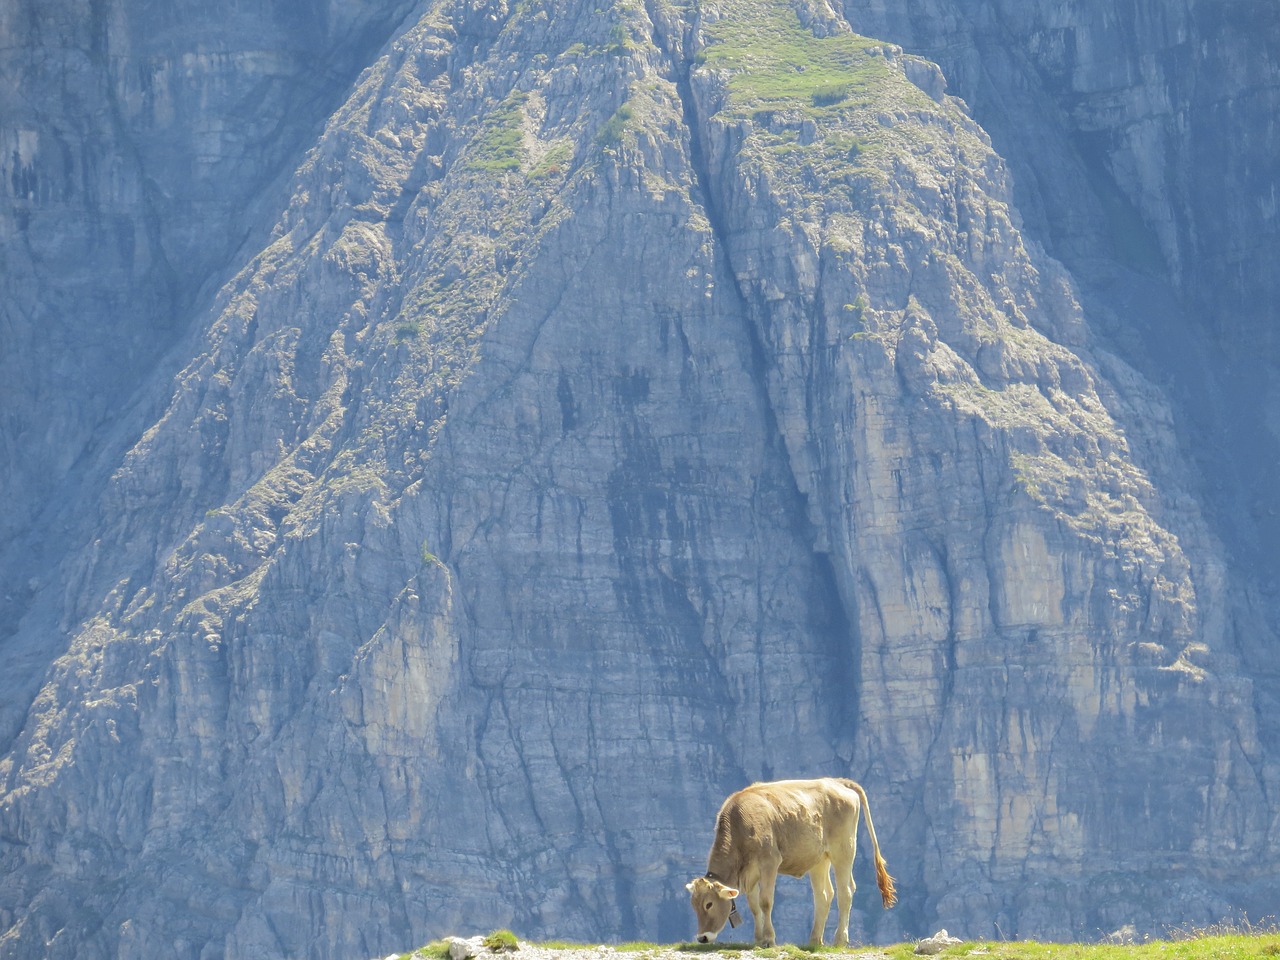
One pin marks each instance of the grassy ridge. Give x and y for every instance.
(1204, 948)
(773, 61)
(1192, 945)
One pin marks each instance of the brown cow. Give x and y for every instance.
(793, 827)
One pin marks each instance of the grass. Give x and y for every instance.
(826, 96)
(772, 60)
(789, 951)
(554, 162)
(436, 950)
(826, 112)
(500, 145)
(620, 41)
(502, 941)
(1228, 940)
(611, 132)
(409, 329)
(1240, 926)
(1224, 947)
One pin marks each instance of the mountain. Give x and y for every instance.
(450, 446)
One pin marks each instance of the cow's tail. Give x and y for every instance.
(887, 894)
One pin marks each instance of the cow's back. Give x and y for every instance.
(792, 821)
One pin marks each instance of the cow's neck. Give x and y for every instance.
(722, 865)
(721, 878)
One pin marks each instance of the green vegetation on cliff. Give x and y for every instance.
(773, 60)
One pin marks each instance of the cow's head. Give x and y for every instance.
(712, 902)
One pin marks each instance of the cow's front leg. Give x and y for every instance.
(762, 906)
(757, 916)
(820, 878)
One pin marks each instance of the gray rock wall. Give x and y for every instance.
(135, 139)
(611, 413)
(1140, 136)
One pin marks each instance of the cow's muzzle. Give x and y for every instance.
(706, 938)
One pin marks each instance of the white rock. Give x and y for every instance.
(937, 943)
(460, 949)
(1126, 934)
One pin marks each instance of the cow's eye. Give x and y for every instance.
(709, 904)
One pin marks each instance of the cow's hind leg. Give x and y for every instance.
(820, 878)
(844, 896)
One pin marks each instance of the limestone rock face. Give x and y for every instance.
(1137, 137)
(135, 138)
(615, 405)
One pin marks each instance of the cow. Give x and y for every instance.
(793, 827)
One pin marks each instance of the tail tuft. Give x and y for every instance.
(888, 896)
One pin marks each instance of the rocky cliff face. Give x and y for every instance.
(1140, 137)
(134, 138)
(622, 404)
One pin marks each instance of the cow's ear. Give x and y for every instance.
(689, 886)
(728, 893)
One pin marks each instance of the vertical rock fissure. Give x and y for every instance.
(842, 640)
